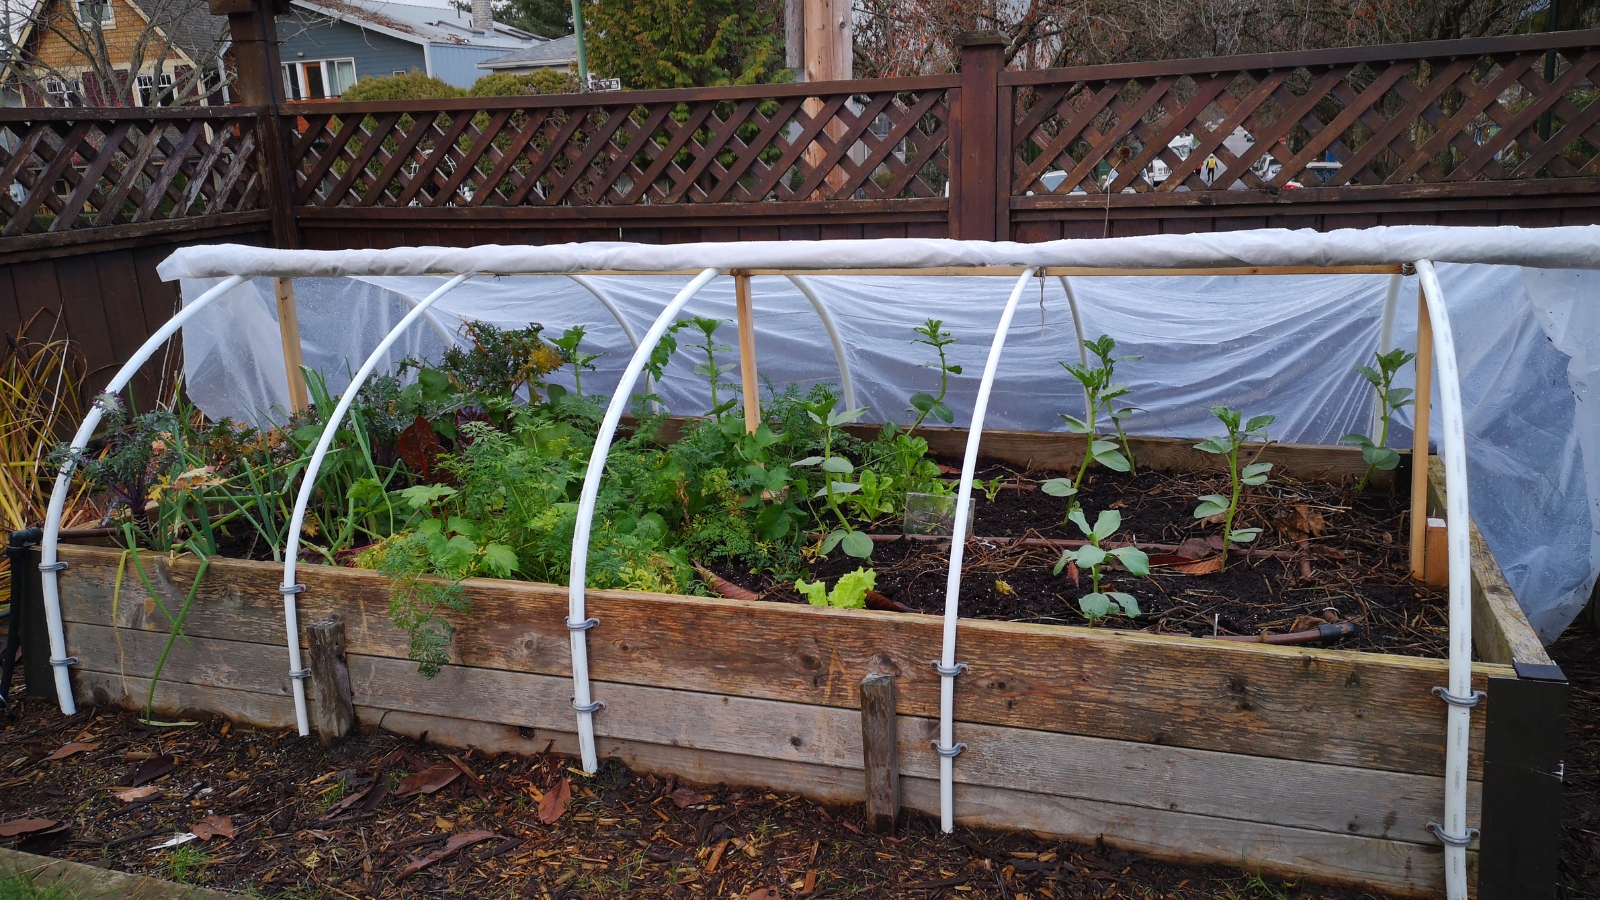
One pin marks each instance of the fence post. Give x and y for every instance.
(258, 82)
(978, 175)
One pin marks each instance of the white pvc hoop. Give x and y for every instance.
(845, 381)
(308, 484)
(577, 624)
(1077, 326)
(946, 663)
(1453, 832)
(50, 563)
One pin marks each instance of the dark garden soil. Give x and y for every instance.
(1325, 554)
(1578, 655)
(313, 823)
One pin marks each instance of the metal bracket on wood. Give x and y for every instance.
(594, 706)
(585, 625)
(1468, 701)
(1454, 840)
(951, 671)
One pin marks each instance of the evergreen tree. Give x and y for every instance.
(683, 43)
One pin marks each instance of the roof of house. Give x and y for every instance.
(418, 24)
(559, 51)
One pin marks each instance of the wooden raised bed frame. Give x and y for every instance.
(1288, 760)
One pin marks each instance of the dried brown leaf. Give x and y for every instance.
(428, 781)
(453, 846)
(1301, 522)
(555, 802)
(685, 797)
(69, 749)
(213, 826)
(151, 769)
(24, 826)
(138, 793)
(763, 894)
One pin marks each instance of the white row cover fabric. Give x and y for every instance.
(1528, 341)
(1574, 247)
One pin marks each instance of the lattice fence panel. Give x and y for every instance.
(1494, 117)
(876, 146)
(57, 176)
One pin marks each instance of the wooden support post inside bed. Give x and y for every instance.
(289, 332)
(747, 352)
(1419, 440)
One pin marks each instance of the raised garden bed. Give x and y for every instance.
(1294, 760)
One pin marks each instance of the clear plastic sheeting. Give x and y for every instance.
(1285, 345)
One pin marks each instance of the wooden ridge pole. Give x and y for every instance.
(289, 332)
(1419, 439)
(747, 352)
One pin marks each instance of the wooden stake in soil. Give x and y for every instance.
(334, 712)
(289, 331)
(880, 752)
(1419, 439)
(747, 352)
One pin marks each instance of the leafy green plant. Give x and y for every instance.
(1101, 393)
(991, 488)
(184, 861)
(1102, 347)
(1097, 604)
(932, 334)
(836, 478)
(849, 592)
(1252, 474)
(567, 344)
(711, 369)
(1377, 453)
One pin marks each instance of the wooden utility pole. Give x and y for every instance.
(827, 51)
(980, 190)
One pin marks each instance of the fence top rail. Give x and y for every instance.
(124, 113)
(1504, 44)
(633, 98)
(1239, 252)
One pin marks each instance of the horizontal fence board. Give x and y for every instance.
(1253, 699)
(1408, 869)
(1334, 799)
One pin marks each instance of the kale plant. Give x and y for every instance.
(1390, 399)
(1091, 556)
(1252, 474)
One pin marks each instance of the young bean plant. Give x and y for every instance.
(836, 477)
(711, 369)
(1091, 556)
(1390, 399)
(932, 334)
(567, 345)
(1252, 474)
(1102, 394)
(1102, 348)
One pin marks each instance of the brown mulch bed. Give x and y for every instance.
(314, 823)
(1341, 556)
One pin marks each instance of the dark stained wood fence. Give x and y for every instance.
(1491, 131)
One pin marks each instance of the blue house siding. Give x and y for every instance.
(458, 64)
(307, 36)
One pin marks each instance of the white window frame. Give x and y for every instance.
(146, 83)
(63, 92)
(297, 86)
(108, 16)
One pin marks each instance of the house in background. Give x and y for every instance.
(155, 53)
(560, 54)
(327, 45)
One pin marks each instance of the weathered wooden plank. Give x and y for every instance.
(1501, 632)
(1254, 699)
(83, 880)
(330, 676)
(1335, 799)
(128, 692)
(880, 752)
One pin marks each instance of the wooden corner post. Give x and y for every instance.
(1419, 439)
(747, 352)
(289, 333)
(334, 712)
(258, 82)
(976, 184)
(880, 752)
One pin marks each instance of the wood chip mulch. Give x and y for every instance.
(386, 816)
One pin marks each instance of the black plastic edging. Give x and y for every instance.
(21, 591)
(1524, 741)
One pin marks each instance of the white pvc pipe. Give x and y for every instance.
(438, 326)
(1454, 831)
(308, 484)
(49, 563)
(592, 287)
(1083, 355)
(833, 336)
(952, 589)
(577, 624)
(1391, 300)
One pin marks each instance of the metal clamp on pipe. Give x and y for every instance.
(300, 674)
(949, 671)
(291, 589)
(1468, 701)
(63, 661)
(948, 752)
(585, 625)
(1454, 840)
(591, 707)
(57, 566)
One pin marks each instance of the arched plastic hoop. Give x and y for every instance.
(308, 484)
(1077, 326)
(958, 538)
(581, 701)
(845, 380)
(48, 566)
(1453, 450)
